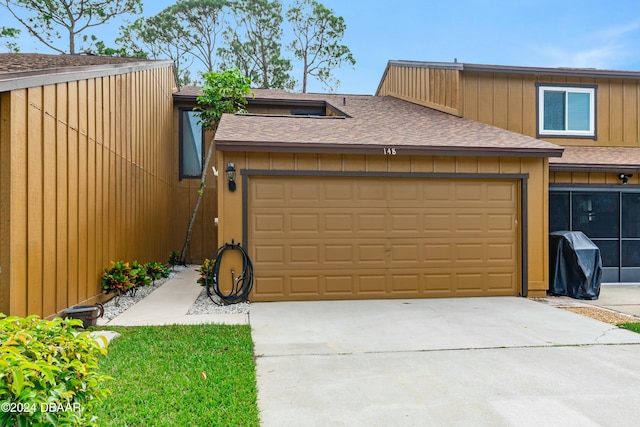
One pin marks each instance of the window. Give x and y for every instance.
(566, 111)
(191, 145)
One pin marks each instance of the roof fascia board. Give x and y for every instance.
(27, 79)
(586, 72)
(259, 146)
(558, 167)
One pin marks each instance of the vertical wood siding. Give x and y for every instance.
(434, 88)
(596, 178)
(86, 169)
(230, 204)
(508, 101)
(204, 237)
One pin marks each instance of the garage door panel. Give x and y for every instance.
(371, 223)
(336, 285)
(343, 238)
(338, 223)
(374, 283)
(500, 222)
(304, 254)
(405, 253)
(303, 223)
(338, 253)
(369, 253)
(269, 254)
(500, 282)
(266, 222)
(269, 288)
(406, 283)
(304, 285)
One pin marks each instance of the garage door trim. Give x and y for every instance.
(522, 178)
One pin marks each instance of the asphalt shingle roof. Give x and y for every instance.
(19, 62)
(373, 122)
(605, 158)
(23, 70)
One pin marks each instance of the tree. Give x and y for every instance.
(10, 33)
(184, 32)
(48, 20)
(223, 92)
(317, 35)
(203, 21)
(254, 45)
(158, 37)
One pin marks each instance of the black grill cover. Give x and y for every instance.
(576, 266)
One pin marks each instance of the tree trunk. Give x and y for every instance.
(194, 214)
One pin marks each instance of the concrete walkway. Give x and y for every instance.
(169, 304)
(624, 298)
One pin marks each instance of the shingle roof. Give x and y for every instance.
(14, 62)
(374, 123)
(597, 159)
(20, 70)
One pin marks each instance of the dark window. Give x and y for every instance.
(559, 211)
(631, 253)
(631, 215)
(609, 252)
(191, 145)
(596, 214)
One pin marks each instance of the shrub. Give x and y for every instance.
(48, 373)
(206, 271)
(174, 258)
(157, 270)
(117, 279)
(138, 274)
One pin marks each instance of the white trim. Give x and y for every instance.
(567, 132)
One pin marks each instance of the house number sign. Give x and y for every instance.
(389, 151)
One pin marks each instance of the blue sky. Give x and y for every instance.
(547, 33)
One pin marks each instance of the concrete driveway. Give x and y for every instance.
(442, 362)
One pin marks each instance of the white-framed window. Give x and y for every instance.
(566, 111)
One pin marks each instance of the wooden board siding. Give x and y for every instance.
(204, 237)
(5, 202)
(596, 178)
(230, 204)
(508, 101)
(434, 88)
(89, 174)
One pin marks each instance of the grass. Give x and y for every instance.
(180, 375)
(635, 327)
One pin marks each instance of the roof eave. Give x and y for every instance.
(410, 150)
(582, 72)
(34, 78)
(594, 168)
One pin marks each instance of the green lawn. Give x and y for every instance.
(635, 327)
(181, 375)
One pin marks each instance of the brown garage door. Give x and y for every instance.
(356, 238)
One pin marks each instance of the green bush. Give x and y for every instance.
(48, 373)
(206, 271)
(174, 258)
(157, 270)
(117, 279)
(138, 274)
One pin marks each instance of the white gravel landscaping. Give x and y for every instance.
(202, 305)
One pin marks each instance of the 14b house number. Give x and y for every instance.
(389, 151)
